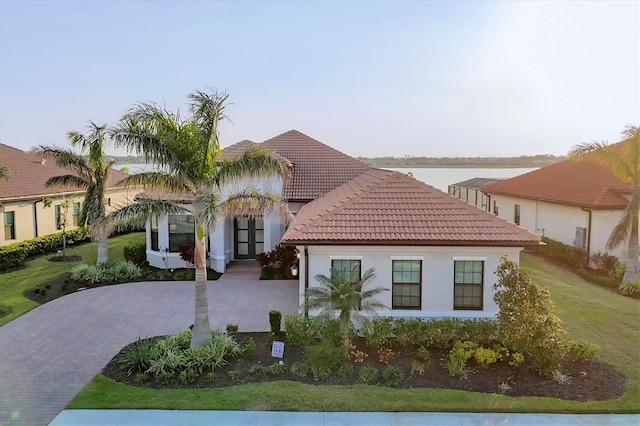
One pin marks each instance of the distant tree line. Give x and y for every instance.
(489, 162)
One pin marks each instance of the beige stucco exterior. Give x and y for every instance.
(32, 219)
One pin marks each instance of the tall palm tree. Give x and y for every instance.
(90, 171)
(188, 150)
(623, 160)
(348, 299)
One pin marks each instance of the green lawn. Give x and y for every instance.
(40, 270)
(591, 312)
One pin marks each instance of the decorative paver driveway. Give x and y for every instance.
(50, 353)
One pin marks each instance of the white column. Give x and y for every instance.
(217, 256)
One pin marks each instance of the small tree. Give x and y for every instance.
(347, 299)
(527, 320)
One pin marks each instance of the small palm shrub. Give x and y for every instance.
(392, 376)
(323, 359)
(276, 369)
(582, 350)
(369, 375)
(422, 354)
(457, 367)
(138, 355)
(630, 288)
(249, 349)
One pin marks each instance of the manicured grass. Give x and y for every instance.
(40, 270)
(609, 319)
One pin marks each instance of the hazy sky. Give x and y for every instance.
(369, 78)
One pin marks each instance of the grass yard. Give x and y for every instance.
(40, 270)
(590, 312)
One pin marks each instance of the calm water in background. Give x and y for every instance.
(439, 178)
(442, 178)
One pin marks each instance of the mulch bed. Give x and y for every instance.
(589, 380)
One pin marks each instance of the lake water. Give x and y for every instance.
(439, 178)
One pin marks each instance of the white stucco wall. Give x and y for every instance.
(437, 274)
(559, 221)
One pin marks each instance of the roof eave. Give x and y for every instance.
(428, 243)
(550, 200)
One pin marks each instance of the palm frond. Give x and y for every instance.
(67, 159)
(254, 162)
(606, 155)
(623, 228)
(252, 203)
(67, 180)
(134, 216)
(207, 205)
(159, 180)
(208, 110)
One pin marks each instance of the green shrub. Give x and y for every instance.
(558, 252)
(345, 370)
(422, 354)
(300, 369)
(368, 374)
(135, 252)
(605, 263)
(275, 320)
(582, 350)
(323, 359)
(457, 367)
(212, 355)
(410, 333)
(14, 255)
(187, 376)
(630, 288)
(141, 378)
(258, 370)
(164, 377)
(300, 331)
(212, 376)
(105, 273)
(249, 349)
(444, 333)
(377, 332)
(485, 356)
(276, 369)
(233, 374)
(138, 355)
(527, 319)
(483, 332)
(392, 376)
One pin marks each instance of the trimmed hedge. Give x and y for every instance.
(135, 252)
(14, 255)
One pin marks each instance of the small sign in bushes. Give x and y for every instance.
(277, 349)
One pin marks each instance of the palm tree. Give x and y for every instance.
(4, 173)
(348, 299)
(623, 160)
(90, 171)
(188, 150)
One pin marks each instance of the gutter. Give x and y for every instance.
(35, 218)
(588, 231)
(306, 280)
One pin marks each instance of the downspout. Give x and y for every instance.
(588, 233)
(306, 280)
(35, 219)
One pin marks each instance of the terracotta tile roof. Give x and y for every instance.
(387, 207)
(317, 168)
(578, 183)
(28, 174)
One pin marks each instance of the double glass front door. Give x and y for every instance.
(249, 238)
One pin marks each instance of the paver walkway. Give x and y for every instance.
(50, 353)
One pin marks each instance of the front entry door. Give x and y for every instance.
(249, 238)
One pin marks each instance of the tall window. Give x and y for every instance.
(9, 226)
(181, 231)
(468, 284)
(348, 270)
(154, 233)
(516, 214)
(495, 207)
(407, 282)
(58, 214)
(76, 213)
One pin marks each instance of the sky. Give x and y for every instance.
(368, 78)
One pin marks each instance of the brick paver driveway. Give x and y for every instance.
(50, 353)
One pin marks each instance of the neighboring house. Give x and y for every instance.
(470, 190)
(23, 196)
(436, 254)
(574, 202)
(316, 169)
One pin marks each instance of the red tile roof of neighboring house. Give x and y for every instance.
(28, 173)
(579, 183)
(317, 168)
(386, 207)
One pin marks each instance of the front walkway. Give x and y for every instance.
(288, 418)
(51, 352)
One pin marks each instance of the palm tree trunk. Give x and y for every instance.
(201, 327)
(631, 271)
(103, 254)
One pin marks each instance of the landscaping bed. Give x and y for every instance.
(63, 284)
(582, 381)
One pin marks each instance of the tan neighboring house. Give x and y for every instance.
(575, 202)
(23, 194)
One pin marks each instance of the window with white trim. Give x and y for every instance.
(468, 284)
(347, 269)
(406, 284)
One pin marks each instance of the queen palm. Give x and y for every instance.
(346, 298)
(90, 171)
(188, 153)
(623, 160)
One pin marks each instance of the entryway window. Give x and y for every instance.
(407, 283)
(154, 233)
(181, 231)
(468, 284)
(9, 226)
